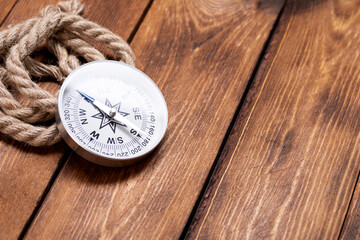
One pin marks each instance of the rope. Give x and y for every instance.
(24, 105)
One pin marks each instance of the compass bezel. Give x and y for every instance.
(91, 155)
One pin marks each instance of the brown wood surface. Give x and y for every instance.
(5, 7)
(25, 171)
(351, 229)
(201, 54)
(289, 169)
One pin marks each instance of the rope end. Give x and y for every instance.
(71, 6)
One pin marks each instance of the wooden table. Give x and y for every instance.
(263, 136)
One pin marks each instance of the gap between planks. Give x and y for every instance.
(64, 159)
(349, 212)
(68, 151)
(243, 129)
(8, 13)
(232, 101)
(34, 183)
(231, 125)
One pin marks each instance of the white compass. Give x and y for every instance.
(111, 113)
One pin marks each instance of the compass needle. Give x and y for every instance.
(87, 97)
(105, 128)
(110, 113)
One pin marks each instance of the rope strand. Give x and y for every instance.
(65, 33)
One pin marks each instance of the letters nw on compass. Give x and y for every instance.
(108, 121)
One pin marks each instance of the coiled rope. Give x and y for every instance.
(66, 35)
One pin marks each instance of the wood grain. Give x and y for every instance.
(201, 54)
(5, 7)
(26, 171)
(289, 167)
(351, 229)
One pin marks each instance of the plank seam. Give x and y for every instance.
(141, 20)
(349, 206)
(64, 159)
(232, 123)
(245, 125)
(68, 152)
(7, 15)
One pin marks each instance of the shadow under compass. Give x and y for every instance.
(93, 174)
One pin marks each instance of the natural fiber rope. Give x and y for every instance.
(66, 35)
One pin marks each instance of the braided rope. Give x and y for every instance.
(65, 33)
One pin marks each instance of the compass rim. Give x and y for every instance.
(91, 155)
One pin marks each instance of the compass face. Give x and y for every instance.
(111, 113)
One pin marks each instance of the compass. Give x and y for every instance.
(111, 113)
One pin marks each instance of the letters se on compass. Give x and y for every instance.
(111, 113)
(124, 135)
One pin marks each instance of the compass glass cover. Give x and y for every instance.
(112, 88)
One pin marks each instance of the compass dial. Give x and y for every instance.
(111, 113)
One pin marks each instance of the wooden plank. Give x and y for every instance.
(351, 228)
(5, 7)
(289, 168)
(201, 54)
(26, 171)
